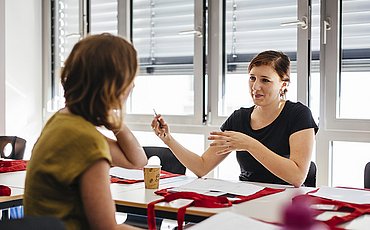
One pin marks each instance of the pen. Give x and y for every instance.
(155, 113)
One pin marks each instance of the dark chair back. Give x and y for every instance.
(18, 146)
(170, 164)
(311, 176)
(169, 161)
(367, 175)
(33, 223)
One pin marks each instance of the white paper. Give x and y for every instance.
(218, 187)
(355, 196)
(128, 174)
(231, 220)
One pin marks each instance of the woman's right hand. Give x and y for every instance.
(160, 128)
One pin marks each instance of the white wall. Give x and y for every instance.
(2, 67)
(23, 70)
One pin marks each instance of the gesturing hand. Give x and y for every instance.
(160, 128)
(229, 141)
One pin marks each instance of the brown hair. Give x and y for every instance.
(276, 59)
(97, 73)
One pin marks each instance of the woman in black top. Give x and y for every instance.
(273, 139)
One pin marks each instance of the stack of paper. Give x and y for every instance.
(218, 187)
(234, 221)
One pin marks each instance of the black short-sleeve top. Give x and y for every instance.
(294, 117)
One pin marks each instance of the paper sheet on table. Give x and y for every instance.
(129, 174)
(218, 187)
(355, 196)
(234, 221)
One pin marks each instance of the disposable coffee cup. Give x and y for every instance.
(151, 176)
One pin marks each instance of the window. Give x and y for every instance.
(355, 74)
(71, 23)
(252, 27)
(166, 78)
(66, 31)
(103, 16)
(349, 160)
(194, 57)
(344, 129)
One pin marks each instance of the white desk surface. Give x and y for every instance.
(267, 208)
(13, 179)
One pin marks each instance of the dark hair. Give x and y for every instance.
(97, 73)
(276, 59)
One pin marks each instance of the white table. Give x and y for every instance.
(134, 198)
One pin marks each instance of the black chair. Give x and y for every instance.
(169, 161)
(18, 145)
(170, 164)
(367, 175)
(33, 223)
(311, 176)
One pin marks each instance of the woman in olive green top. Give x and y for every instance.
(68, 174)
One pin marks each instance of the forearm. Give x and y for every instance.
(287, 169)
(191, 160)
(129, 150)
(195, 163)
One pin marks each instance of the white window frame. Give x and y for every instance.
(332, 128)
(141, 122)
(215, 60)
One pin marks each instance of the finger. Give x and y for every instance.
(224, 151)
(216, 137)
(218, 133)
(154, 122)
(220, 143)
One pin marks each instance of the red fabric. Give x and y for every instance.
(5, 190)
(164, 174)
(354, 210)
(12, 165)
(199, 200)
(263, 192)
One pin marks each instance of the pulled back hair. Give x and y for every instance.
(276, 59)
(97, 73)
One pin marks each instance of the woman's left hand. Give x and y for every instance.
(229, 141)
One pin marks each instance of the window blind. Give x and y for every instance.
(103, 16)
(156, 25)
(257, 23)
(155, 33)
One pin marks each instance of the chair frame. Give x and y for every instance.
(367, 175)
(18, 147)
(311, 176)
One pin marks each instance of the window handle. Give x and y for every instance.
(302, 23)
(196, 32)
(326, 26)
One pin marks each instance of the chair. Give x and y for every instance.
(33, 223)
(169, 163)
(18, 145)
(311, 176)
(367, 175)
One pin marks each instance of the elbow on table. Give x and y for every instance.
(138, 164)
(297, 182)
(200, 173)
(142, 163)
(297, 185)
